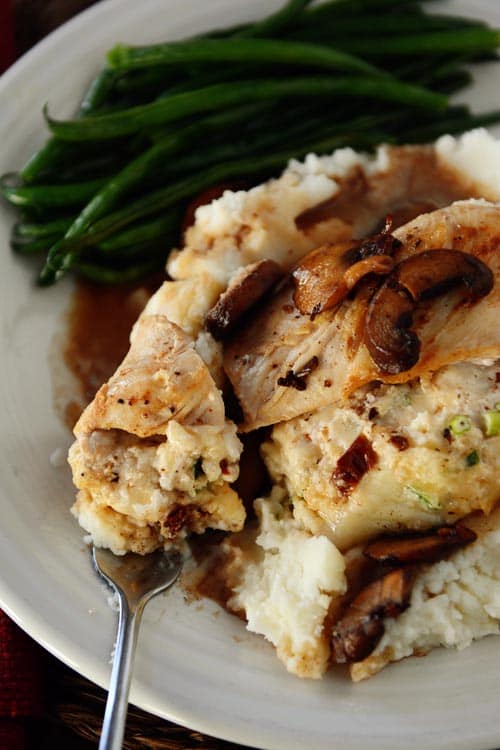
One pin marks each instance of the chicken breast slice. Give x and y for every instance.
(280, 340)
(154, 455)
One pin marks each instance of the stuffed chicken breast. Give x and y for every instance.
(368, 348)
(154, 455)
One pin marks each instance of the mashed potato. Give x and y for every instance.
(286, 587)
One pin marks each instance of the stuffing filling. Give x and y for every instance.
(432, 460)
(157, 490)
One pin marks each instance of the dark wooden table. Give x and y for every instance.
(73, 706)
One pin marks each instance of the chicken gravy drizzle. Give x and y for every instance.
(414, 183)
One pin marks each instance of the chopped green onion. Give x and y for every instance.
(492, 422)
(472, 459)
(460, 424)
(429, 502)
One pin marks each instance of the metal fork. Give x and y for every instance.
(136, 579)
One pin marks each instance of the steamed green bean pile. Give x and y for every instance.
(105, 196)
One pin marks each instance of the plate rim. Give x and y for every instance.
(12, 602)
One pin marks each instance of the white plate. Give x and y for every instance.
(195, 665)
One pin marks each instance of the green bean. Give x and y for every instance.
(145, 80)
(124, 58)
(406, 124)
(48, 196)
(87, 168)
(98, 91)
(203, 76)
(430, 70)
(458, 123)
(110, 275)
(64, 254)
(36, 231)
(473, 40)
(354, 8)
(164, 226)
(453, 82)
(63, 158)
(43, 159)
(223, 95)
(139, 169)
(59, 158)
(276, 21)
(299, 134)
(112, 190)
(72, 165)
(377, 25)
(34, 246)
(214, 123)
(272, 26)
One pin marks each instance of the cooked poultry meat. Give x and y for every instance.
(160, 379)
(154, 454)
(279, 338)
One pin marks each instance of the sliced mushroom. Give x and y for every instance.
(392, 344)
(318, 280)
(357, 633)
(244, 292)
(381, 265)
(326, 275)
(423, 548)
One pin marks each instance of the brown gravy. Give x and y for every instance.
(414, 183)
(96, 336)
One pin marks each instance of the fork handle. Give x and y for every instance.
(115, 715)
